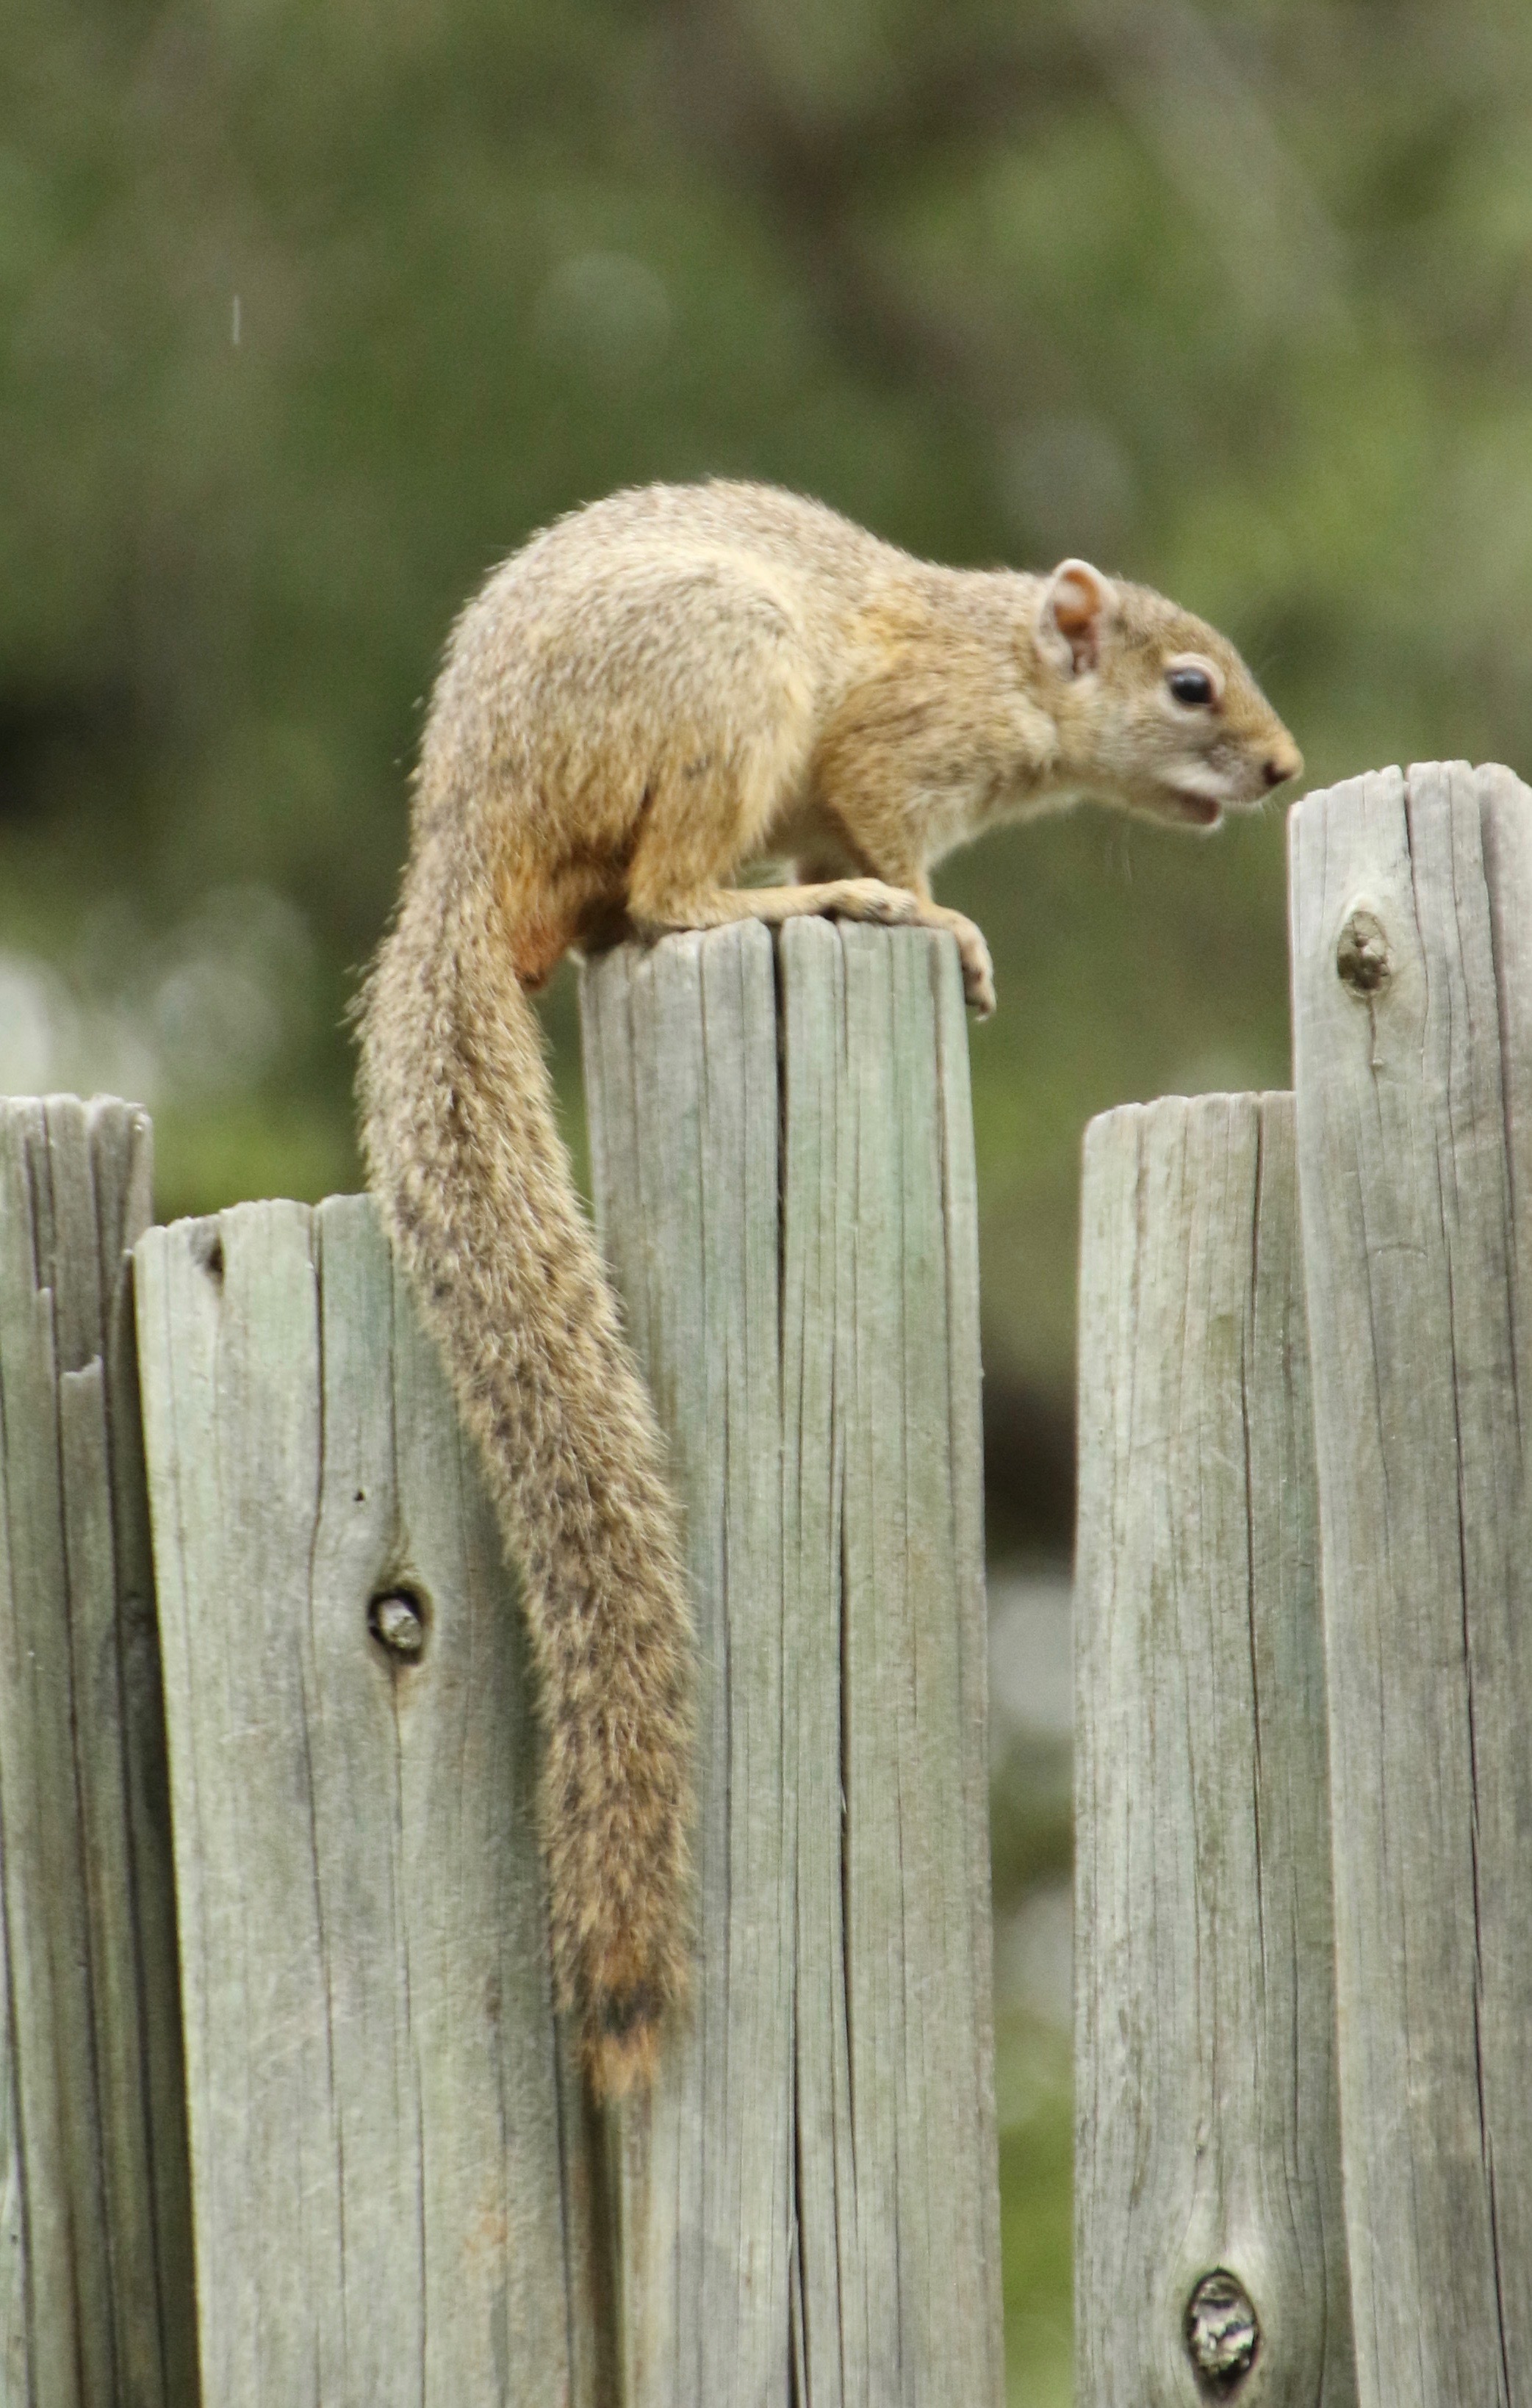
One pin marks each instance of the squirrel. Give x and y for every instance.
(657, 689)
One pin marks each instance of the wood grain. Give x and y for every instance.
(95, 2262)
(395, 2200)
(783, 1157)
(1412, 983)
(1206, 2139)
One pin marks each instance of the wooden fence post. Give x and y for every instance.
(394, 2193)
(1412, 983)
(783, 1167)
(1210, 2244)
(400, 2193)
(95, 2260)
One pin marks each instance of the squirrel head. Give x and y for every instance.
(1155, 710)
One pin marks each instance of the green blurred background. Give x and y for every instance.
(312, 313)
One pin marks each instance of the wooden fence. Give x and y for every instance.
(277, 1994)
(1303, 1969)
(284, 2110)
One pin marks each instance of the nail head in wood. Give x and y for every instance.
(397, 1623)
(1222, 2334)
(1362, 956)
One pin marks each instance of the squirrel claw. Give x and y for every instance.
(979, 977)
(979, 992)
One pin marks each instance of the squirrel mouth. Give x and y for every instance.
(1198, 810)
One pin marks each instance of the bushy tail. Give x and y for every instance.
(475, 1187)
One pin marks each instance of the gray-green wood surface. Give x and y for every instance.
(95, 2271)
(394, 2187)
(782, 1148)
(1207, 2136)
(1412, 981)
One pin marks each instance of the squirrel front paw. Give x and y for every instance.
(872, 898)
(979, 977)
(896, 907)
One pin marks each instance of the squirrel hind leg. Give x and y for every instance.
(711, 808)
(543, 916)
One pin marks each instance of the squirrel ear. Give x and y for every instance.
(1075, 601)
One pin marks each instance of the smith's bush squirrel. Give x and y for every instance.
(655, 691)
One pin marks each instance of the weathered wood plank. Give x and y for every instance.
(1412, 983)
(1207, 2137)
(682, 1069)
(392, 2180)
(95, 2262)
(784, 1167)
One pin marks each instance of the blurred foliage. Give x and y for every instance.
(1033, 2094)
(1031, 1814)
(311, 314)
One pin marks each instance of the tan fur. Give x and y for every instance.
(652, 694)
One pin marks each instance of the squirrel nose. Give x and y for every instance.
(1278, 770)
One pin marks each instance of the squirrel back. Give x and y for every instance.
(651, 693)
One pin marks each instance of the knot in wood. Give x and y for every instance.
(396, 1621)
(1362, 956)
(1221, 2332)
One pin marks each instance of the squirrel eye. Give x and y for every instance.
(1193, 687)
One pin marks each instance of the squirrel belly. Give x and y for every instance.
(652, 694)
